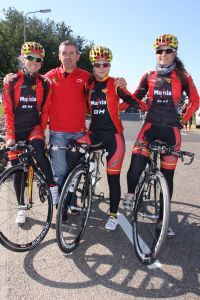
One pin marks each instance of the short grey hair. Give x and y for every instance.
(69, 43)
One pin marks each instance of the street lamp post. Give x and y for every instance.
(33, 12)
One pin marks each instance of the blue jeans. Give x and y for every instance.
(59, 157)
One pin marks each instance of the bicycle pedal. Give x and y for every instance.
(42, 193)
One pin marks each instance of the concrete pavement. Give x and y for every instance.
(105, 266)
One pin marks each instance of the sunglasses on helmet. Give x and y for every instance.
(32, 58)
(104, 65)
(167, 51)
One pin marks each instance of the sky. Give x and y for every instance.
(128, 28)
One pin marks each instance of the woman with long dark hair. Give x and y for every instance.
(164, 87)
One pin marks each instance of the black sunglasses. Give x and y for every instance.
(104, 65)
(32, 58)
(167, 51)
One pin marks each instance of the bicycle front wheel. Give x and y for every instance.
(73, 209)
(36, 203)
(151, 218)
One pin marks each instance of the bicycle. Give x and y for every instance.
(150, 218)
(34, 196)
(76, 197)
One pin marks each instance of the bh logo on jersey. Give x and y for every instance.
(98, 106)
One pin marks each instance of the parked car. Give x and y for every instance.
(197, 118)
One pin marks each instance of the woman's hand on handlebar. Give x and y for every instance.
(10, 142)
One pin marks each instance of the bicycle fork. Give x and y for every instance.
(26, 176)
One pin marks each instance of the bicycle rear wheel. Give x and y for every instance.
(151, 218)
(37, 204)
(73, 209)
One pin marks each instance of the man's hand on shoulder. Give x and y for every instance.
(10, 142)
(8, 77)
(182, 125)
(120, 82)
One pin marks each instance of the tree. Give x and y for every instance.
(12, 26)
(48, 33)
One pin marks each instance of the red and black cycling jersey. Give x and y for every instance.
(104, 105)
(100, 114)
(26, 100)
(164, 94)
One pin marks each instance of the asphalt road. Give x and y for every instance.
(105, 266)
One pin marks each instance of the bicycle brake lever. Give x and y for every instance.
(182, 158)
(191, 159)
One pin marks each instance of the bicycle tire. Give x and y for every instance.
(73, 209)
(27, 236)
(151, 218)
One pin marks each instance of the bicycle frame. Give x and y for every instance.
(30, 183)
(158, 148)
(92, 155)
(26, 159)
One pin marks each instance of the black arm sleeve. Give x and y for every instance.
(142, 89)
(127, 98)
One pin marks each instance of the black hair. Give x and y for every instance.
(180, 68)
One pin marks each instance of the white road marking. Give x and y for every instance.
(127, 228)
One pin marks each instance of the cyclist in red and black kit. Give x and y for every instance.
(106, 126)
(26, 99)
(164, 88)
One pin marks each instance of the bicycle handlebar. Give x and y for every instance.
(18, 146)
(77, 147)
(161, 148)
(181, 155)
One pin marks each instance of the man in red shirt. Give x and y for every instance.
(68, 106)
